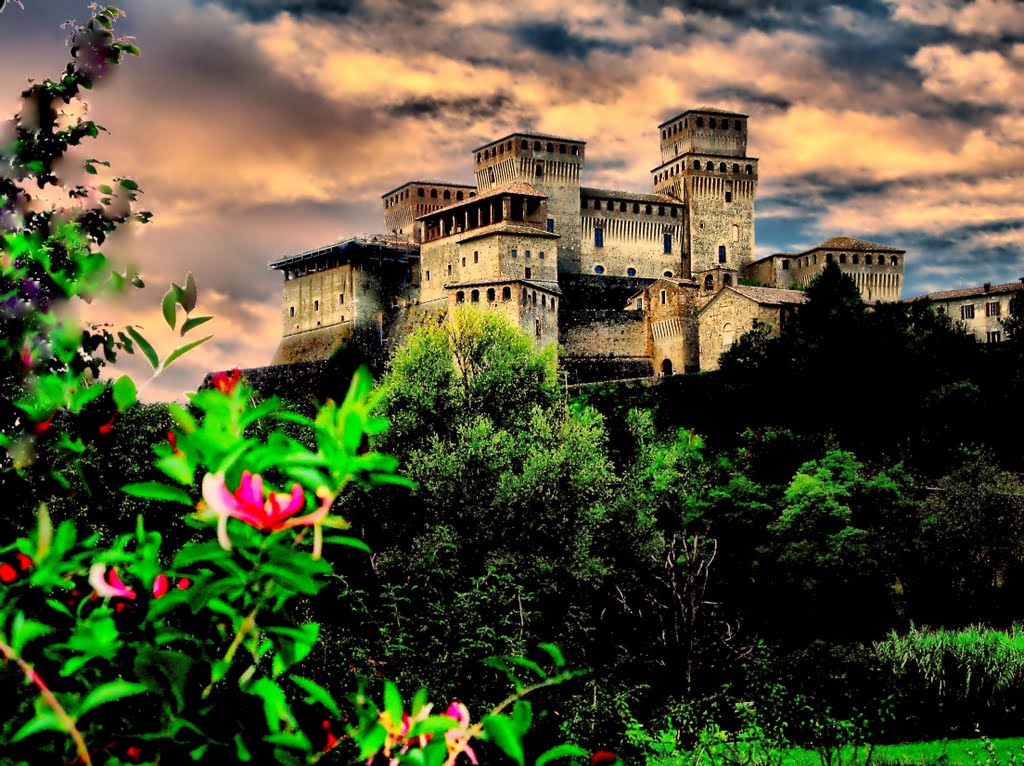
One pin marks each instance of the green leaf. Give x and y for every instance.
(41, 722)
(555, 653)
(393, 702)
(147, 349)
(169, 306)
(127, 183)
(561, 751)
(124, 393)
(193, 322)
(184, 350)
(349, 541)
(154, 490)
(105, 189)
(90, 168)
(188, 295)
(24, 630)
(109, 692)
(522, 716)
(317, 693)
(504, 734)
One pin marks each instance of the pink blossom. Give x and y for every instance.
(457, 739)
(272, 512)
(108, 588)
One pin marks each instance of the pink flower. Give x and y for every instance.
(272, 512)
(458, 738)
(108, 588)
(160, 585)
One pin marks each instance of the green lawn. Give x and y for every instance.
(958, 752)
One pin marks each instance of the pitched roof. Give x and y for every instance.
(970, 292)
(771, 296)
(506, 227)
(852, 243)
(662, 199)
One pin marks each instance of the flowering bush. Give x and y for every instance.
(121, 651)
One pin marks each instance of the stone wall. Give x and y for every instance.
(714, 222)
(726, 319)
(632, 241)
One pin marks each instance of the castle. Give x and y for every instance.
(629, 284)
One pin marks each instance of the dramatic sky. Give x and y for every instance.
(259, 128)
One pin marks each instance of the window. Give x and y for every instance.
(529, 272)
(636, 207)
(419, 192)
(639, 304)
(664, 297)
(341, 298)
(291, 311)
(709, 282)
(524, 144)
(735, 233)
(540, 254)
(527, 253)
(856, 259)
(463, 261)
(667, 274)
(599, 269)
(994, 336)
(543, 301)
(474, 297)
(428, 275)
(630, 272)
(598, 237)
(867, 260)
(476, 256)
(667, 243)
(551, 224)
(449, 269)
(721, 253)
(726, 280)
(316, 305)
(506, 293)
(515, 253)
(490, 295)
(894, 261)
(433, 194)
(537, 325)
(992, 309)
(460, 297)
(728, 196)
(785, 265)
(842, 257)
(447, 194)
(967, 312)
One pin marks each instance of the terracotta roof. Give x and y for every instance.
(512, 188)
(662, 199)
(705, 110)
(530, 134)
(505, 227)
(429, 182)
(772, 296)
(851, 243)
(969, 292)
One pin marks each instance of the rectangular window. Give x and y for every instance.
(663, 297)
(476, 256)
(316, 305)
(721, 253)
(639, 304)
(598, 237)
(515, 253)
(995, 336)
(463, 261)
(551, 224)
(292, 311)
(967, 312)
(428, 276)
(527, 253)
(668, 244)
(785, 265)
(341, 298)
(540, 255)
(992, 309)
(728, 196)
(529, 272)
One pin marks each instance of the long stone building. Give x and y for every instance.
(630, 284)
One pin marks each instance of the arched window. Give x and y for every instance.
(458, 196)
(460, 297)
(726, 280)
(543, 301)
(479, 157)
(700, 122)
(673, 211)
(710, 165)
(610, 205)
(449, 269)
(524, 144)
(509, 146)
(419, 192)
(561, 149)
(622, 207)
(735, 233)
(735, 167)
(856, 259)
(696, 164)
(867, 260)
(636, 207)
(533, 298)
(474, 297)
(815, 257)
(536, 146)
(599, 269)
(575, 150)
(433, 194)
(630, 272)
(661, 210)
(447, 194)
(828, 257)
(490, 295)
(842, 257)
(894, 261)
(648, 209)
(666, 367)
(712, 123)
(550, 147)
(749, 168)
(664, 134)
(667, 274)
(506, 293)
(709, 282)
(721, 167)
(538, 171)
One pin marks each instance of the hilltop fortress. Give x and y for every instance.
(630, 284)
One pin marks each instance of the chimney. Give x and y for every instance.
(988, 287)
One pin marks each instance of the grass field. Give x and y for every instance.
(958, 752)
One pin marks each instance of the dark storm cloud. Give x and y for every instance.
(263, 10)
(756, 99)
(554, 39)
(470, 108)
